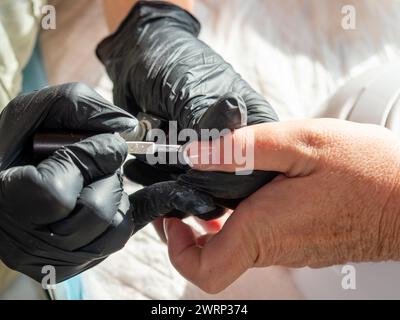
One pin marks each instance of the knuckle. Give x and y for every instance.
(311, 143)
(387, 233)
(251, 245)
(270, 248)
(74, 96)
(100, 206)
(312, 136)
(262, 245)
(51, 200)
(96, 203)
(59, 197)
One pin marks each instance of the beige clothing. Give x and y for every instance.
(19, 25)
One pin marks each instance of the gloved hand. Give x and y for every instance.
(160, 67)
(68, 211)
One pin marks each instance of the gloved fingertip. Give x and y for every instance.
(213, 214)
(228, 112)
(191, 201)
(144, 174)
(124, 124)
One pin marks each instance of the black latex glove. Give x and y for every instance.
(68, 211)
(159, 66)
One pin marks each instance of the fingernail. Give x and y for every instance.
(199, 155)
(165, 227)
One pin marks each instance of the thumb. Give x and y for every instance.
(286, 147)
(217, 263)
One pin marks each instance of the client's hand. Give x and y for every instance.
(337, 200)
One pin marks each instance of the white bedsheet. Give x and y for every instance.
(296, 54)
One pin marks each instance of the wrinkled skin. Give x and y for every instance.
(69, 210)
(337, 201)
(159, 66)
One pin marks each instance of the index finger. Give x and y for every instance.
(284, 147)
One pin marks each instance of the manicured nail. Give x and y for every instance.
(165, 227)
(199, 155)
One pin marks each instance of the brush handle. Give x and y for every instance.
(46, 143)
